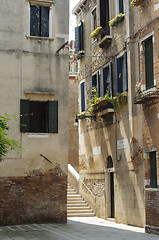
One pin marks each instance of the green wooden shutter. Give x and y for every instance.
(24, 115)
(53, 116)
(91, 86)
(82, 96)
(149, 63)
(77, 39)
(105, 77)
(82, 36)
(125, 73)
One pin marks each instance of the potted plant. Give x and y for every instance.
(119, 18)
(77, 56)
(96, 32)
(136, 3)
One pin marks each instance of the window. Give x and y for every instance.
(153, 170)
(119, 6)
(121, 74)
(38, 117)
(149, 69)
(79, 38)
(39, 21)
(95, 82)
(94, 19)
(82, 95)
(107, 80)
(104, 17)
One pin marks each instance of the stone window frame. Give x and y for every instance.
(142, 60)
(45, 4)
(92, 21)
(117, 7)
(146, 157)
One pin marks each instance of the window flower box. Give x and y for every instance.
(135, 3)
(96, 32)
(77, 56)
(119, 18)
(102, 105)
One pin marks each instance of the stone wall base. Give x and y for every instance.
(37, 198)
(152, 229)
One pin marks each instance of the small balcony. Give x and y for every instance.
(146, 96)
(104, 40)
(103, 105)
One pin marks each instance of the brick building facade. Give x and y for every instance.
(116, 143)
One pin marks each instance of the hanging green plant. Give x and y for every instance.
(119, 18)
(96, 32)
(98, 102)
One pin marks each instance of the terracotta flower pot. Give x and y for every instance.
(139, 2)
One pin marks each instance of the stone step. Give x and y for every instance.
(76, 206)
(80, 215)
(80, 211)
(79, 207)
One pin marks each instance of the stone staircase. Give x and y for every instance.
(76, 206)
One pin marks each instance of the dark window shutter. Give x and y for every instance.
(34, 20)
(82, 36)
(105, 75)
(83, 97)
(91, 86)
(24, 115)
(121, 6)
(98, 83)
(149, 63)
(94, 81)
(119, 84)
(102, 82)
(53, 116)
(77, 39)
(111, 79)
(45, 21)
(125, 73)
(153, 170)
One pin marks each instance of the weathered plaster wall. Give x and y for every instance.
(31, 69)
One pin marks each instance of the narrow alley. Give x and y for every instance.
(88, 228)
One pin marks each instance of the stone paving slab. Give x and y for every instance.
(91, 228)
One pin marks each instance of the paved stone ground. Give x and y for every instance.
(76, 229)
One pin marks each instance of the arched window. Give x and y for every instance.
(109, 162)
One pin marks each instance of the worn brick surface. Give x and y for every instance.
(39, 197)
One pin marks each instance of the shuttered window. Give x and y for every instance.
(153, 170)
(104, 17)
(121, 74)
(82, 96)
(107, 80)
(38, 117)
(39, 21)
(95, 82)
(149, 63)
(79, 38)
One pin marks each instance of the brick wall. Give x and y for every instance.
(39, 197)
(152, 211)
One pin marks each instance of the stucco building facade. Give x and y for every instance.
(34, 77)
(113, 159)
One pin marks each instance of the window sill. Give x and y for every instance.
(39, 38)
(38, 135)
(105, 40)
(151, 189)
(146, 95)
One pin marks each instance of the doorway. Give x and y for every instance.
(112, 215)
